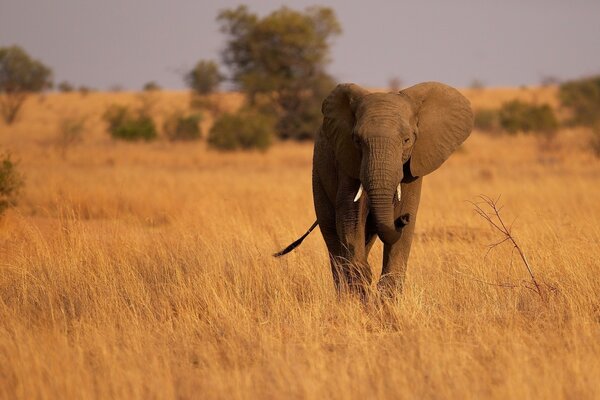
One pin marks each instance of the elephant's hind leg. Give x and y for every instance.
(326, 216)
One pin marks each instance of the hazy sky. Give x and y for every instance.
(101, 43)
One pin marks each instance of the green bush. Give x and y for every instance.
(183, 127)
(11, 182)
(244, 130)
(582, 97)
(128, 125)
(487, 120)
(517, 116)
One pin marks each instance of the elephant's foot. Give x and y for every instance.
(353, 278)
(390, 285)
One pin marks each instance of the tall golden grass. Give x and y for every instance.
(145, 271)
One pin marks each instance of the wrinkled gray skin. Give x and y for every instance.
(380, 140)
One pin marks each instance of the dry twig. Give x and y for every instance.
(495, 220)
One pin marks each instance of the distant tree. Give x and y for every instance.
(204, 77)
(549, 80)
(582, 97)
(394, 84)
(151, 86)
(84, 90)
(282, 57)
(477, 84)
(65, 87)
(19, 75)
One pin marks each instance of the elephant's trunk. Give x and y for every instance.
(381, 174)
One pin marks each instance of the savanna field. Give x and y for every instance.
(144, 270)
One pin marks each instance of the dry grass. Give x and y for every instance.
(145, 271)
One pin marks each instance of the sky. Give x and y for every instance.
(126, 43)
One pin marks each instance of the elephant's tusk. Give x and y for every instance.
(399, 192)
(359, 193)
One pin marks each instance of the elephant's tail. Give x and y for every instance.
(297, 242)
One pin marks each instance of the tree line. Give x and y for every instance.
(279, 61)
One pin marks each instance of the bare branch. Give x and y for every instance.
(495, 220)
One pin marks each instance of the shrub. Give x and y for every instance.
(70, 133)
(595, 140)
(11, 182)
(127, 125)
(65, 87)
(487, 120)
(582, 97)
(244, 130)
(183, 127)
(151, 86)
(517, 116)
(84, 90)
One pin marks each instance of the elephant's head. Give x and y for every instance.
(385, 138)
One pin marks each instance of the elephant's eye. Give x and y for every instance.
(406, 140)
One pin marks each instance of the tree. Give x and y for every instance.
(394, 84)
(19, 76)
(582, 97)
(204, 78)
(282, 57)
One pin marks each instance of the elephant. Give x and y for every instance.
(370, 156)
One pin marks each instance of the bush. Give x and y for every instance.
(151, 86)
(244, 130)
(65, 87)
(487, 120)
(582, 97)
(84, 90)
(183, 127)
(595, 140)
(10, 182)
(70, 133)
(517, 116)
(127, 125)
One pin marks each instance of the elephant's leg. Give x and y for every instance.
(325, 211)
(351, 219)
(395, 256)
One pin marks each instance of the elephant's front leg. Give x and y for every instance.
(351, 219)
(395, 256)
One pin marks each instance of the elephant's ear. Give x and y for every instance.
(338, 122)
(444, 121)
